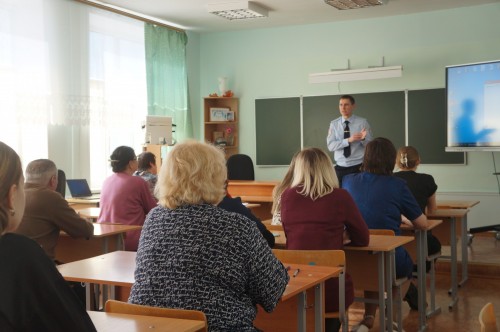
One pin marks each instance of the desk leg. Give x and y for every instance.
(465, 254)
(301, 312)
(105, 245)
(383, 308)
(421, 236)
(453, 249)
(88, 294)
(433, 310)
(390, 273)
(120, 242)
(319, 319)
(344, 319)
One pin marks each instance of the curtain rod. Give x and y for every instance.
(129, 13)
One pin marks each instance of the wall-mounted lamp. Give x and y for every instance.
(356, 74)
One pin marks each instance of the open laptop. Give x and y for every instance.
(79, 188)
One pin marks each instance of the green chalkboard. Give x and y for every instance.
(427, 127)
(277, 123)
(385, 112)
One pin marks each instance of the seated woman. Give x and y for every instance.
(34, 295)
(195, 255)
(382, 199)
(125, 199)
(278, 190)
(234, 204)
(147, 169)
(315, 212)
(423, 188)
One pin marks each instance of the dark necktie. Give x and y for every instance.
(347, 134)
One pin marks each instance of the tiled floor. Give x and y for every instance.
(483, 286)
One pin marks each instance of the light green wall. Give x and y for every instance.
(276, 63)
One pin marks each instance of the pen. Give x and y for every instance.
(296, 272)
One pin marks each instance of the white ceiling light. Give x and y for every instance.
(356, 74)
(354, 4)
(237, 10)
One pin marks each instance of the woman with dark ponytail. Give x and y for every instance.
(125, 199)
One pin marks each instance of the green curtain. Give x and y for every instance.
(166, 76)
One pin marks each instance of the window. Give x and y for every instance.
(72, 84)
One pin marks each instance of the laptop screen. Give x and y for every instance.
(79, 188)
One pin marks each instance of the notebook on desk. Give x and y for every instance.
(79, 188)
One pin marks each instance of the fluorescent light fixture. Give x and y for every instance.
(354, 4)
(237, 10)
(357, 74)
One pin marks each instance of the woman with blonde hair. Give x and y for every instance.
(195, 255)
(278, 190)
(315, 213)
(34, 295)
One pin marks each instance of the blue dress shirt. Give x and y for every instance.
(336, 141)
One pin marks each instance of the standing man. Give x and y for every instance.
(47, 212)
(347, 138)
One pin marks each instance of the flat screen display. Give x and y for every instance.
(473, 102)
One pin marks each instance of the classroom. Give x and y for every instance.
(274, 61)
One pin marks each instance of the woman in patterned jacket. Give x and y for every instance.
(194, 255)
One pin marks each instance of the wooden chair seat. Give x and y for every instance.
(487, 318)
(119, 307)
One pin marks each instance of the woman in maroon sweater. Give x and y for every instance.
(317, 215)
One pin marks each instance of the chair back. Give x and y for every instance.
(487, 318)
(333, 258)
(119, 307)
(61, 182)
(240, 167)
(275, 228)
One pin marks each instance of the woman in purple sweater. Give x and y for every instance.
(125, 199)
(317, 215)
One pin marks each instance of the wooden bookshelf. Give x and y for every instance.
(226, 129)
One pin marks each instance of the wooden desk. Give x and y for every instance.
(453, 216)
(260, 192)
(379, 255)
(456, 204)
(418, 250)
(106, 238)
(111, 322)
(117, 269)
(89, 213)
(301, 307)
(78, 203)
(279, 239)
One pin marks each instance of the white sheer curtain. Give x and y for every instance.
(72, 84)
(117, 86)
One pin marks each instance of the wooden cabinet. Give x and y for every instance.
(227, 129)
